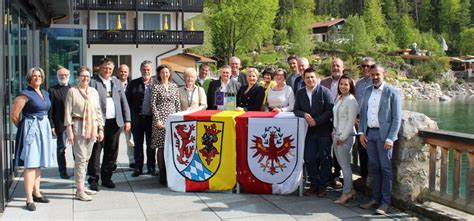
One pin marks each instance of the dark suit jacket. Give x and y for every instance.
(136, 93)
(326, 82)
(320, 110)
(253, 99)
(57, 95)
(215, 86)
(122, 111)
(299, 83)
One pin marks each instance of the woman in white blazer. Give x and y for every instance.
(344, 116)
(191, 96)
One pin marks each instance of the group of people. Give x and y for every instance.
(92, 114)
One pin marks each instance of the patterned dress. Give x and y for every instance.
(163, 103)
(34, 139)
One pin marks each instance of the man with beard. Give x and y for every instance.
(57, 94)
(380, 120)
(362, 84)
(331, 83)
(139, 99)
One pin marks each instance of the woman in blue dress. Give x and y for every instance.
(33, 148)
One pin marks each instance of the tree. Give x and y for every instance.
(406, 33)
(467, 44)
(360, 41)
(239, 25)
(375, 21)
(294, 19)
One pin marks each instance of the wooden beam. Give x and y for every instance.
(432, 172)
(457, 174)
(444, 170)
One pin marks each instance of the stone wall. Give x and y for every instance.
(411, 157)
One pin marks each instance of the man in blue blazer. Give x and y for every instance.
(380, 120)
(115, 110)
(314, 103)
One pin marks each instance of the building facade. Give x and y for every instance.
(73, 33)
(131, 31)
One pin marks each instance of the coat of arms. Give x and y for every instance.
(272, 153)
(196, 148)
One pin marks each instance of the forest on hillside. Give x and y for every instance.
(240, 27)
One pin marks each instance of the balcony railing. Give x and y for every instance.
(144, 37)
(141, 5)
(456, 176)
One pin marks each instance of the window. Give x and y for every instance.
(151, 22)
(109, 20)
(156, 21)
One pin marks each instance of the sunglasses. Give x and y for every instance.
(365, 66)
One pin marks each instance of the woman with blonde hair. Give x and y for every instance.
(251, 98)
(192, 96)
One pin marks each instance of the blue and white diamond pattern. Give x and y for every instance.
(196, 171)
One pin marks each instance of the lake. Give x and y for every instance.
(455, 115)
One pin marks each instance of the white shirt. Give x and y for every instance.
(110, 106)
(373, 107)
(310, 95)
(284, 99)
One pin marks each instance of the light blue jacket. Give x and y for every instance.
(390, 112)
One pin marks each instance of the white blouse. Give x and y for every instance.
(284, 99)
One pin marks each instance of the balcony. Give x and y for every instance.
(144, 37)
(141, 5)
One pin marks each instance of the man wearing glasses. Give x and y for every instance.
(364, 82)
(57, 95)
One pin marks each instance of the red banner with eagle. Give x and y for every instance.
(270, 149)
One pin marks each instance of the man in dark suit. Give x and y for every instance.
(380, 120)
(225, 85)
(138, 96)
(314, 104)
(294, 73)
(235, 74)
(117, 114)
(57, 95)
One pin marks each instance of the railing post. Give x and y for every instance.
(444, 170)
(470, 178)
(432, 172)
(457, 173)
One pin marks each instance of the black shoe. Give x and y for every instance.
(136, 173)
(94, 186)
(64, 175)
(132, 166)
(151, 171)
(109, 184)
(31, 206)
(41, 199)
(115, 167)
